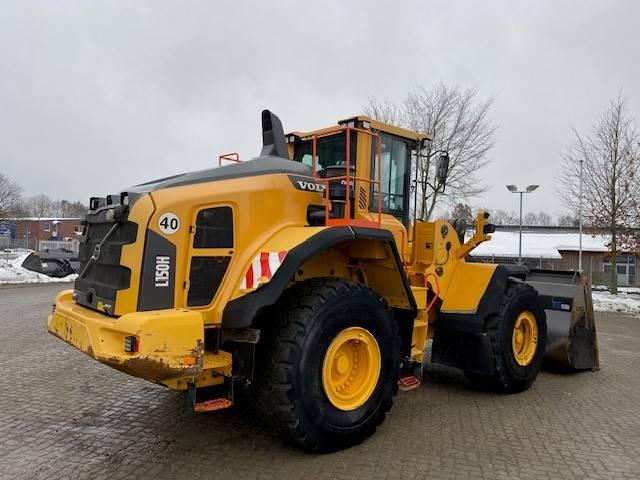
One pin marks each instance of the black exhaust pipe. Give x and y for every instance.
(273, 141)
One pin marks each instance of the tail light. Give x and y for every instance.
(131, 344)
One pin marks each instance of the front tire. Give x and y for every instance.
(518, 336)
(328, 366)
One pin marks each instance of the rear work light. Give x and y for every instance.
(131, 344)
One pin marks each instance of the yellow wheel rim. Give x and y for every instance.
(351, 368)
(524, 340)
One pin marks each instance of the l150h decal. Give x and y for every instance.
(157, 286)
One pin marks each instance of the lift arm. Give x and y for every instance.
(481, 234)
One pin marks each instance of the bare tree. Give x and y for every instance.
(10, 195)
(609, 155)
(545, 219)
(57, 208)
(540, 218)
(39, 206)
(462, 211)
(66, 209)
(537, 219)
(75, 209)
(530, 219)
(568, 221)
(459, 123)
(502, 217)
(385, 111)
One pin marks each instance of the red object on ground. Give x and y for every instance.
(213, 405)
(410, 382)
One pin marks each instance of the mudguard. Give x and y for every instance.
(460, 340)
(240, 312)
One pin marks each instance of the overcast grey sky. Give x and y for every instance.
(98, 96)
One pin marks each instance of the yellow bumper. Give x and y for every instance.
(170, 343)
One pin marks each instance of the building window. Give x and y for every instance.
(46, 227)
(77, 229)
(625, 268)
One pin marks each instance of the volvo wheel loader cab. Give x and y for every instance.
(298, 279)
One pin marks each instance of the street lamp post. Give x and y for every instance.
(514, 189)
(580, 222)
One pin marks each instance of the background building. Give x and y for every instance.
(29, 232)
(556, 248)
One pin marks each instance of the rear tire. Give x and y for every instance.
(516, 363)
(290, 389)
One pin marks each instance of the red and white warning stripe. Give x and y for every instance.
(263, 266)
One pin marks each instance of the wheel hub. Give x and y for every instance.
(524, 340)
(351, 368)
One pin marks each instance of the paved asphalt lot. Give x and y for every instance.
(63, 415)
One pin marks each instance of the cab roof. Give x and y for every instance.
(373, 124)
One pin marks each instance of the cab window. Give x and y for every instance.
(331, 151)
(395, 158)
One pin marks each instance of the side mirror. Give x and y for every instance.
(442, 169)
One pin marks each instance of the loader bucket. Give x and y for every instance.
(571, 331)
(54, 263)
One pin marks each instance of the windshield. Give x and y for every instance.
(331, 151)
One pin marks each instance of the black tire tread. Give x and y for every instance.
(501, 380)
(283, 343)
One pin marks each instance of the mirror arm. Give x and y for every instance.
(437, 188)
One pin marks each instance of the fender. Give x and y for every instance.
(240, 313)
(460, 339)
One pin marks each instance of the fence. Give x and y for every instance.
(592, 265)
(11, 243)
(72, 245)
(531, 262)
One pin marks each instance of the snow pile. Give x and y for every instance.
(623, 290)
(623, 303)
(538, 244)
(12, 272)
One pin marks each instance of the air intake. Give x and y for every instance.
(273, 141)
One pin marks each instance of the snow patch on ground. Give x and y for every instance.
(627, 301)
(623, 290)
(12, 272)
(623, 303)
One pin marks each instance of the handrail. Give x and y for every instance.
(436, 292)
(348, 177)
(231, 157)
(403, 248)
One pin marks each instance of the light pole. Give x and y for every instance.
(514, 189)
(580, 223)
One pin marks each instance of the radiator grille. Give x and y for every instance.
(105, 276)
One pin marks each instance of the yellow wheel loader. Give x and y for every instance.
(297, 280)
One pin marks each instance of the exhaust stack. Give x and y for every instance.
(273, 140)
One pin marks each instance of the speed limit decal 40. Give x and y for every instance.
(168, 223)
